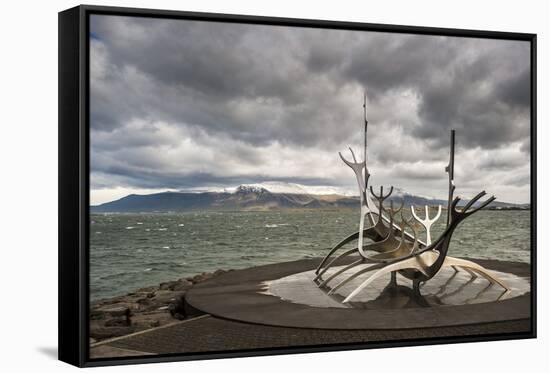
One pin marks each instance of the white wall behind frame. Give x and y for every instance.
(28, 190)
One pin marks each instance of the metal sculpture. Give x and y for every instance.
(392, 249)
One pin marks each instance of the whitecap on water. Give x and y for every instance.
(147, 230)
(163, 229)
(181, 225)
(139, 223)
(147, 269)
(271, 225)
(130, 227)
(166, 247)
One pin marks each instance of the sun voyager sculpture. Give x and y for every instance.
(389, 243)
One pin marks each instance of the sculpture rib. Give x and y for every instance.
(389, 237)
(340, 271)
(346, 240)
(371, 232)
(467, 264)
(334, 260)
(402, 249)
(411, 263)
(356, 274)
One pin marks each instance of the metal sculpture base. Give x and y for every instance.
(448, 287)
(417, 263)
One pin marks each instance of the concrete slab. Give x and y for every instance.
(238, 295)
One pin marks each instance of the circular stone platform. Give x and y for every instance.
(283, 294)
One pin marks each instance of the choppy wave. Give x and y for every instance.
(276, 225)
(122, 260)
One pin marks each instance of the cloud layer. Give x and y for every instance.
(186, 105)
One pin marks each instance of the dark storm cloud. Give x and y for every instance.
(504, 162)
(148, 179)
(260, 102)
(488, 112)
(483, 95)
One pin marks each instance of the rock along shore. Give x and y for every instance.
(144, 308)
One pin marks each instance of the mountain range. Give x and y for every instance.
(256, 197)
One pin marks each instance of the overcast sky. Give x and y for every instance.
(182, 105)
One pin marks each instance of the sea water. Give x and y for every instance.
(129, 251)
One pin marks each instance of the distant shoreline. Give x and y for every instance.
(281, 209)
(261, 199)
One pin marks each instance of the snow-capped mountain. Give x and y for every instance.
(294, 188)
(261, 196)
(275, 187)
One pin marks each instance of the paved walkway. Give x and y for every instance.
(208, 333)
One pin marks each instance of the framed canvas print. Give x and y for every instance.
(236, 186)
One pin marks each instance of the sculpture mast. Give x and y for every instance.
(450, 169)
(365, 142)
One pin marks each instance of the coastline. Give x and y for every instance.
(145, 308)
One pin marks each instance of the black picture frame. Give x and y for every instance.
(74, 168)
